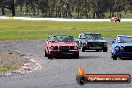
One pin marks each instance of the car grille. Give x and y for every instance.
(95, 44)
(128, 49)
(56, 48)
(71, 47)
(64, 48)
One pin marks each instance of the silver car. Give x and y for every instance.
(91, 41)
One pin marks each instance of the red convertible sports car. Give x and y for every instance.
(61, 45)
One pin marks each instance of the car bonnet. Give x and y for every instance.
(123, 44)
(63, 44)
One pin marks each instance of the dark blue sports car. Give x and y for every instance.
(122, 47)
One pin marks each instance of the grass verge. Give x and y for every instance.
(19, 30)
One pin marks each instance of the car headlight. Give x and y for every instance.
(121, 48)
(117, 48)
(52, 47)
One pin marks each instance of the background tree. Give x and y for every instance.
(67, 8)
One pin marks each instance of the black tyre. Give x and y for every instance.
(83, 49)
(50, 57)
(114, 58)
(97, 50)
(105, 50)
(76, 55)
(46, 55)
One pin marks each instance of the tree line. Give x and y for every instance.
(67, 8)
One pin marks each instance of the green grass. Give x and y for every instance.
(5, 68)
(9, 67)
(19, 30)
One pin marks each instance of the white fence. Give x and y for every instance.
(60, 19)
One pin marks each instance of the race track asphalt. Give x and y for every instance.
(61, 73)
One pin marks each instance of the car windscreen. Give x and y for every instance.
(124, 39)
(93, 36)
(63, 39)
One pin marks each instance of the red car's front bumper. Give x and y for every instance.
(58, 53)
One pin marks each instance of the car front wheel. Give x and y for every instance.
(105, 50)
(97, 50)
(83, 49)
(50, 57)
(76, 55)
(114, 58)
(46, 54)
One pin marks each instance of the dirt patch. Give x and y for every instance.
(10, 61)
